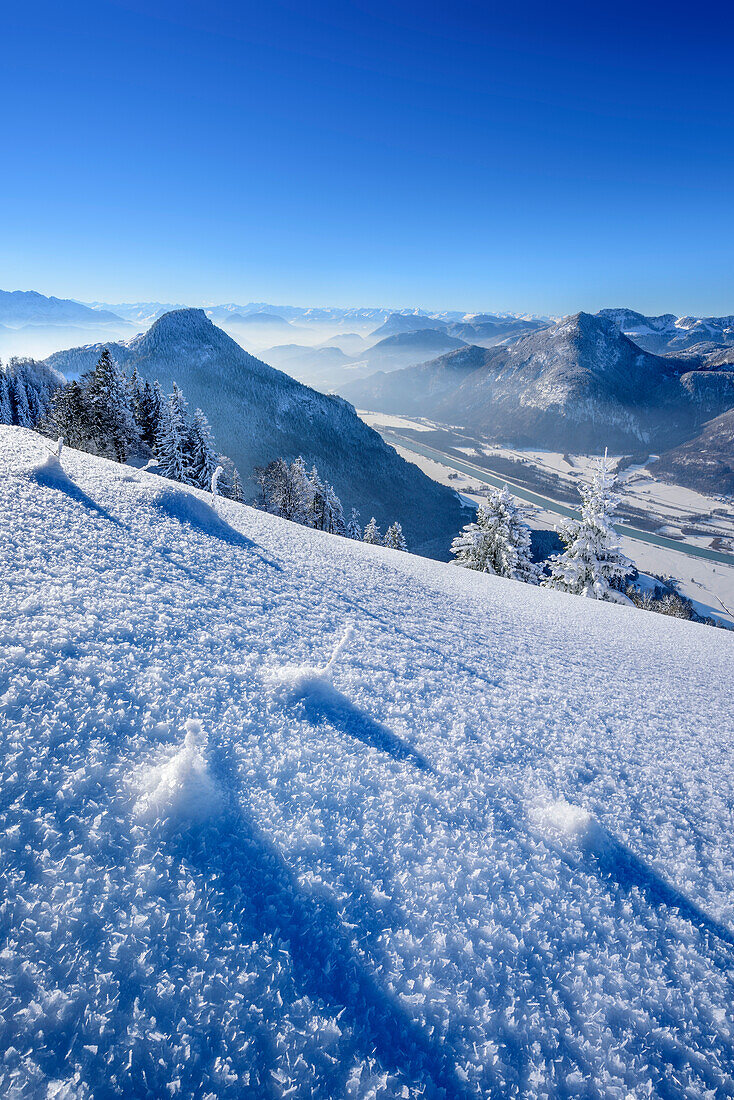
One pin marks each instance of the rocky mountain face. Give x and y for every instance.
(579, 384)
(258, 413)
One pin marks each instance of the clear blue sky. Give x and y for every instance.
(542, 157)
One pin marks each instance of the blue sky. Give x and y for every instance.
(448, 155)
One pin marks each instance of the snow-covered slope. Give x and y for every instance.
(488, 852)
(258, 414)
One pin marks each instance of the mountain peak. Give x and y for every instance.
(189, 321)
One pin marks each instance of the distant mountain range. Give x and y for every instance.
(258, 414)
(670, 334)
(484, 329)
(19, 308)
(580, 384)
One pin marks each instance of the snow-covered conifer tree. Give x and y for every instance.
(499, 541)
(285, 490)
(394, 538)
(237, 493)
(201, 455)
(372, 533)
(171, 439)
(354, 531)
(317, 504)
(335, 523)
(592, 563)
(19, 399)
(69, 416)
(6, 413)
(148, 412)
(112, 420)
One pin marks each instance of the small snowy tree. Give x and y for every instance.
(499, 541)
(354, 531)
(372, 533)
(592, 564)
(148, 408)
(317, 511)
(237, 493)
(394, 538)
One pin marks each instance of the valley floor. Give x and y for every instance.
(657, 507)
(487, 851)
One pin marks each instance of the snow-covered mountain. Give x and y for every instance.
(33, 325)
(28, 307)
(670, 334)
(706, 462)
(485, 852)
(258, 414)
(398, 323)
(579, 384)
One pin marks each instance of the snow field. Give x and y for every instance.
(482, 848)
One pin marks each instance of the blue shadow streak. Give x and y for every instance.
(323, 704)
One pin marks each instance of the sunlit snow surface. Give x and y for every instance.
(487, 851)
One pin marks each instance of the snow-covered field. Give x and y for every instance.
(488, 850)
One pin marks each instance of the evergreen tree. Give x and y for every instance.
(237, 493)
(335, 523)
(148, 412)
(285, 490)
(499, 541)
(372, 533)
(354, 531)
(202, 459)
(6, 413)
(592, 564)
(171, 439)
(18, 399)
(394, 538)
(112, 421)
(69, 416)
(318, 510)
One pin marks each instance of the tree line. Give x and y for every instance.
(108, 414)
(291, 491)
(26, 391)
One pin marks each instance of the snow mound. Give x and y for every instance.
(185, 506)
(49, 468)
(562, 817)
(181, 790)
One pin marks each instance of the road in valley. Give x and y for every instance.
(464, 467)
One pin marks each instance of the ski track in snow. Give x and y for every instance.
(487, 851)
